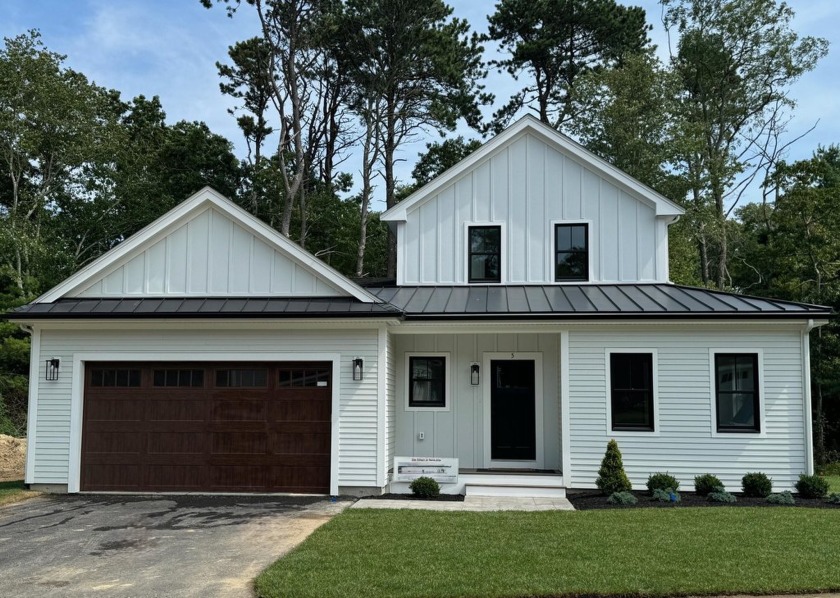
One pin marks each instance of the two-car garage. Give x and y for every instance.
(207, 427)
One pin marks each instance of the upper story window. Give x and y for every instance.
(485, 253)
(736, 392)
(571, 252)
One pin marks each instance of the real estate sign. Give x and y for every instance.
(443, 471)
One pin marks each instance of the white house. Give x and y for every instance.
(531, 321)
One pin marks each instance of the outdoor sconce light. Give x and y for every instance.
(52, 368)
(358, 364)
(474, 370)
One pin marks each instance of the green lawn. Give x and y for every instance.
(834, 480)
(14, 492)
(643, 552)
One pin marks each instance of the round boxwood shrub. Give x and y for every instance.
(425, 487)
(624, 499)
(812, 486)
(706, 484)
(667, 495)
(662, 481)
(721, 495)
(757, 484)
(782, 498)
(611, 476)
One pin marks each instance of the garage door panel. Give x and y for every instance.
(173, 429)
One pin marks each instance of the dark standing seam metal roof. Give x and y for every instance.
(570, 302)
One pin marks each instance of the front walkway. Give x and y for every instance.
(470, 503)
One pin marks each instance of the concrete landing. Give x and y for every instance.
(471, 503)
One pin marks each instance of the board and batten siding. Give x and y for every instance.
(684, 445)
(358, 400)
(459, 431)
(210, 256)
(526, 186)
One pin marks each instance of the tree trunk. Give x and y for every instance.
(390, 199)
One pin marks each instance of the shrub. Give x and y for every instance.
(667, 495)
(623, 498)
(782, 498)
(757, 484)
(611, 476)
(425, 487)
(812, 486)
(706, 483)
(721, 495)
(662, 481)
(834, 498)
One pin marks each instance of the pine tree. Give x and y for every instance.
(611, 476)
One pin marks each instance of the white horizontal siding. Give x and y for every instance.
(526, 186)
(211, 256)
(685, 445)
(358, 400)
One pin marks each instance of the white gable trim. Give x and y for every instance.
(528, 124)
(193, 206)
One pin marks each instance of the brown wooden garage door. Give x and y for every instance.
(163, 427)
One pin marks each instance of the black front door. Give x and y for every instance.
(513, 431)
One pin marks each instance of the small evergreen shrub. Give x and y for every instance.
(623, 498)
(721, 495)
(706, 484)
(782, 498)
(812, 486)
(662, 481)
(611, 476)
(425, 487)
(834, 498)
(667, 495)
(757, 484)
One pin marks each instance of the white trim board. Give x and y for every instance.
(537, 358)
(32, 414)
(77, 396)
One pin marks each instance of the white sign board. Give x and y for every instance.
(443, 471)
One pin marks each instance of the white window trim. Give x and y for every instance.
(608, 377)
(537, 358)
(447, 394)
(502, 252)
(590, 241)
(762, 396)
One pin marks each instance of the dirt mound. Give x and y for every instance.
(12, 458)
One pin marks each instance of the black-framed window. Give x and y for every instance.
(115, 377)
(736, 392)
(427, 382)
(571, 252)
(190, 378)
(485, 253)
(241, 378)
(631, 381)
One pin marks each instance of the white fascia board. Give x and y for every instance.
(198, 202)
(529, 124)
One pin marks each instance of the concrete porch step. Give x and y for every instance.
(514, 490)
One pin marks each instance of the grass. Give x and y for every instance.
(635, 552)
(834, 482)
(11, 492)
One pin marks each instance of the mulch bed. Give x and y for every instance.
(588, 500)
(441, 497)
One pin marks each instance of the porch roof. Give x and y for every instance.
(649, 300)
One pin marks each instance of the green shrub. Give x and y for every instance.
(662, 481)
(667, 495)
(757, 484)
(706, 483)
(425, 487)
(623, 498)
(834, 498)
(812, 486)
(721, 495)
(611, 476)
(782, 498)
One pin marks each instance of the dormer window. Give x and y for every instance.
(485, 253)
(571, 252)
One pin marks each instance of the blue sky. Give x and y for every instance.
(169, 48)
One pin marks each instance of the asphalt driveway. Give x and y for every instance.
(101, 545)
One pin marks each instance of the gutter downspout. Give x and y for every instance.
(806, 389)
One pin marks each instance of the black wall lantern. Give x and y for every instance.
(358, 366)
(474, 374)
(52, 368)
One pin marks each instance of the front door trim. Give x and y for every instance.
(486, 383)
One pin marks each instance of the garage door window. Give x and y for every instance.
(179, 378)
(303, 378)
(241, 378)
(115, 377)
